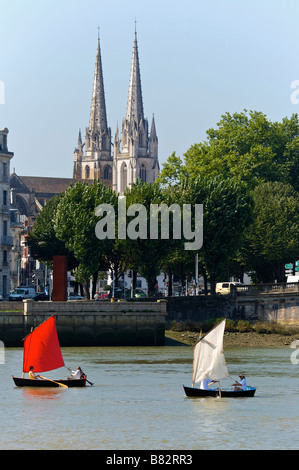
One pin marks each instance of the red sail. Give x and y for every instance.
(42, 349)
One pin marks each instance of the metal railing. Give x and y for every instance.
(256, 289)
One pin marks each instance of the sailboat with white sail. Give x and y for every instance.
(209, 363)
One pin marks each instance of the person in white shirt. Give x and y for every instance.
(242, 384)
(204, 384)
(76, 374)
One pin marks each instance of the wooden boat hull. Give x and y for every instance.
(24, 382)
(197, 392)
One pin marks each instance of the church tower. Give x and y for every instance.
(96, 161)
(136, 152)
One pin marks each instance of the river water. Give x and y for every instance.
(137, 402)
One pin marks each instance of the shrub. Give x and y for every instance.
(243, 326)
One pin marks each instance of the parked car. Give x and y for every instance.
(139, 293)
(224, 287)
(73, 296)
(1, 298)
(21, 293)
(41, 296)
(119, 293)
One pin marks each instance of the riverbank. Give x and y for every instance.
(234, 339)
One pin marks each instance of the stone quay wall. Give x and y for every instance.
(89, 323)
(280, 308)
(143, 321)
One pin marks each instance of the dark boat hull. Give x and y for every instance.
(197, 392)
(24, 382)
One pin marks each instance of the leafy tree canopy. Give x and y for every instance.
(43, 240)
(245, 145)
(271, 240)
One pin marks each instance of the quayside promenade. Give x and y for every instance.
(87, 323)
(144, 321)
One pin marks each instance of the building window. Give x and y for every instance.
(4, 287)
(87, 172)
(4, 198)
(107, 172)
(142, 173)
(123, 177)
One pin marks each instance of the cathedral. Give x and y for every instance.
(135, 148)
(132, 156)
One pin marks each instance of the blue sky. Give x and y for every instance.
(198, 60)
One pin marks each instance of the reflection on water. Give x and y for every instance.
(42, 393)
(138, 402)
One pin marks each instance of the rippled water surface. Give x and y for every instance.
(137, 402)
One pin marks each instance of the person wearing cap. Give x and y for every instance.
(242, 384)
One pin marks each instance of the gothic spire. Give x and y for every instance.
(135, 104)
(98, 116)
(153, 134)
(79, 139)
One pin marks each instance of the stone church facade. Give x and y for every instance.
(133, 155)
(135, 148)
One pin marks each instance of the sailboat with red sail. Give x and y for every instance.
(42, 351)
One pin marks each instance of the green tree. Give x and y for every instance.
(43, 240)
(245, 145)
(227, 210)
(171, 172)
(75, 223)
(271, 240)
(146, 254)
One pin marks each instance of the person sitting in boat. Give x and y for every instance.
(204, 384)
(76, 374)
(32, 375)
(242, 384)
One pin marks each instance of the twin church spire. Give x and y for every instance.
(135, 103)
(135, 149)
(98, 115)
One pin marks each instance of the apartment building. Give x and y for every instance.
(6, 241)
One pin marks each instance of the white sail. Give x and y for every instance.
(208, 359)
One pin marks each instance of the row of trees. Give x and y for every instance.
(246, 177)
(67, 226)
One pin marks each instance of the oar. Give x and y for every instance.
(219, 390)
(90, 383)
(236, 381)
(58, 383)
